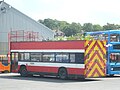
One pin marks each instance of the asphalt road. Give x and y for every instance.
(15, 82)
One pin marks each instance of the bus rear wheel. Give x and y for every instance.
(23, 71)
(62, 73)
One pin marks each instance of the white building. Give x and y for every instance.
(13, 20)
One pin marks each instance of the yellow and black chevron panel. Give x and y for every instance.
(95, 58)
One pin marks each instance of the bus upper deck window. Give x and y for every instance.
(114, 38)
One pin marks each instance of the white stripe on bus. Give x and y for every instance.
(58, 50)
(67, 65)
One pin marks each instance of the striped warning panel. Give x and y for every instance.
(95, 58)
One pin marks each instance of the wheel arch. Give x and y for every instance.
(21, 66)
(62, 73)
(62, 68)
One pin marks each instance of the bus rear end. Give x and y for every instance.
(95, 58)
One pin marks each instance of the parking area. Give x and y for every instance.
(11, 81)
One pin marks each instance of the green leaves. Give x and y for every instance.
(72, 29)
(75, 28)
(111, 26)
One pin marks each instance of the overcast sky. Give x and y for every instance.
(79, 11)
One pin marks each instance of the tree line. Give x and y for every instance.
(74, 28)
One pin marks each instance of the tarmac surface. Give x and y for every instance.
(11, 81)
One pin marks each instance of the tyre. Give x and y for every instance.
(41, 75)
(111, 75)
(23, 71)
(30, 75)
(62, 73)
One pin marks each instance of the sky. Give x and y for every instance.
(79, 11)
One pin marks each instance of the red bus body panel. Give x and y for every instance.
(47, 45)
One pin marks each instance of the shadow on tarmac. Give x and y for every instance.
(45, 79)
(115, 76)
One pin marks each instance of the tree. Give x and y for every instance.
(62, 25)
(88, 27)
(72, 29)
(68, 31)
(97, 27)
(76, 27)
(110, 26)
(50, 23)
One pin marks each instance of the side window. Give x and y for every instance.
(58, 57)
(21, 56)
(24, 56)
(48, 57)
(79, 58)
(119, 57)
(27, 56)
(62, 57)
(114, 38)
(115, 57)
(35, 57)
(14, 56)
(72, 58)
